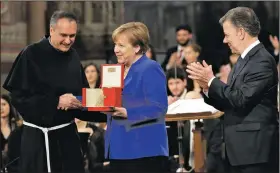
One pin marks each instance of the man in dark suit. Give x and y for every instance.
(183, 37)
(249, 99)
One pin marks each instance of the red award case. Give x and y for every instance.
(110, 92)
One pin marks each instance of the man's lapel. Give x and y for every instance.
(231, 74)
(243, 64)
(238, 70)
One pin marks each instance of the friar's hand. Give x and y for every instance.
(201, 73)
(68, 101)
(120, 112)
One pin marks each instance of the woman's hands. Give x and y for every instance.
(119, 112)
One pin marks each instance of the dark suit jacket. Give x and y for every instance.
(169, 52)
(249, 101)
(95, 152)
(167, 57)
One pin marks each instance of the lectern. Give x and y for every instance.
(195, 109)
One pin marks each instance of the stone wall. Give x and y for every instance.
(13, 29)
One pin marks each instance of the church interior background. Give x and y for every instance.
(25, 22)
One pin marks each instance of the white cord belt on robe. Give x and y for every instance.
(45, 131)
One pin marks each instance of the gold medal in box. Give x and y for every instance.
(110, 93)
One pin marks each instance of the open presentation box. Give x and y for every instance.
(109, 94)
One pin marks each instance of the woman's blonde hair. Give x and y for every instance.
(137, 32)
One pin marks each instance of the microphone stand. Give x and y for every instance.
(180, 135)
(4, 169)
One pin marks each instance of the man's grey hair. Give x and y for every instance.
(62, 14)
(243, 17)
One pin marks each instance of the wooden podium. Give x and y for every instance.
(199, 157)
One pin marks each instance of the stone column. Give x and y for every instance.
(160, 24)
(110, 12)
(36, 21)
(88, 13)
(122, 12)
(105, 12)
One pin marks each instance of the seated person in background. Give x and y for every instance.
(177, 89)
(191, 54)
(93, 75)
(9, 118)
(93, 147)
(188, 54)
(275, 43)
(233, 59)
(176, 84)
(151, 53)
(224, 72)
(183, 38)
